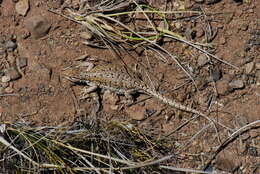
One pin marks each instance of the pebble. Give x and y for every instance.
(12, 73)
(237, 84)
(136, 112)
(86, 35)
(22, 7)
(223, 87)
(5, 79)
(249, 67)
(202, 60)
(257, 65)
(215, 74)
(38, 26)
(222, 40)
(10, 45)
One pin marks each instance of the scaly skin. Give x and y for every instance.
(113, 78)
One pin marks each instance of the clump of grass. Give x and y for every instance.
(110, 147)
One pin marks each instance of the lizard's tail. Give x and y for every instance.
(176, 105)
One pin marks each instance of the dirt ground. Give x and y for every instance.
(37, 93)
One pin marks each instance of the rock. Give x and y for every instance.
(249, 67)
(222, 40)
(215, 74)
(10, 45)
(257, 65)
(22, 7)
(202, 60)
(38, 26)
(237, 84)
(223, 87)
(86, 35)
(12, 73)
(5, 79)
(136, 112)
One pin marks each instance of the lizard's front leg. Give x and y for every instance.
(85, 91)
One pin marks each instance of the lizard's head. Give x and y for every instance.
(75, 73)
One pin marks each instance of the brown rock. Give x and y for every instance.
(249, 67)
(38, 26)
(22, 7)
(86, 35)
(136, 112)
(223, 87)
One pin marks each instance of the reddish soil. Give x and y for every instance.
(43, 97)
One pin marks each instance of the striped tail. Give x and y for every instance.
(175, 104)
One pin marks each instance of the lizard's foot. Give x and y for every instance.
(85, 92)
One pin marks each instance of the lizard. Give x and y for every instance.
(111, 77)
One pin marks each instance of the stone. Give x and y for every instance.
(38, 26)
(257, 65)
(249, 67)
(10, 45)
(22, 7)
(215, 74)
(222, 40)
(5, 79)
(86, 35)
(223, 87)
(202, 60)
(136, 112)
(237, 84)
